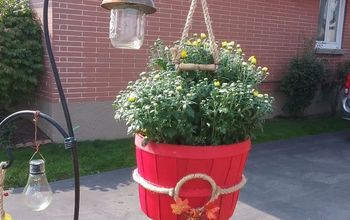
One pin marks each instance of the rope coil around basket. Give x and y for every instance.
(176, 51)
(174, 192)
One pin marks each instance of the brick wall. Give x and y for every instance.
(93, 71)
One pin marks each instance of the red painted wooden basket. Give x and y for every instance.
(165, 164)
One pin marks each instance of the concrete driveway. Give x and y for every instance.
(304, 178)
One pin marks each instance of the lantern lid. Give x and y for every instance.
(37, 166)
(146, 6)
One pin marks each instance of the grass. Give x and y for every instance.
(285, 128)
(99, 156)
(94, 157)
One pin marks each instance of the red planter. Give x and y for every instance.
(164, 165)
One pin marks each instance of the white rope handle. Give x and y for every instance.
(174, 192)
(214, 187)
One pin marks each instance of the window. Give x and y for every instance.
(330, 24)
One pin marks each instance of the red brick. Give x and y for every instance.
(93, 70)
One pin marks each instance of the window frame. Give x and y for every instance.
(337, 45)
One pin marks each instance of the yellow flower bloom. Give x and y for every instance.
(265, 69)
(178, 88)
(199, 41)
(132, 99)
(183, 54)
(256, 93)
(188, 42)
(230, 48)
(224, 44)
(7, 216)
(217, 84)
(252, 60)
(195, 43)
(203, 36)
(232, 43)
(239, 50)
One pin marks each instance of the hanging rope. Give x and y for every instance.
(36, 144)
(176, 52)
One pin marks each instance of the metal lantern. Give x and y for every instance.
(127, 23)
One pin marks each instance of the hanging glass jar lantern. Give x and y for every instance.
(127, 23)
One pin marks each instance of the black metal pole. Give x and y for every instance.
(69, 140)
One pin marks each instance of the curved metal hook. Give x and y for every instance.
(28, 113)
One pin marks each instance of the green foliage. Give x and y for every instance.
(21, 52)
(301, 83)
(333, 85)
(196, 107)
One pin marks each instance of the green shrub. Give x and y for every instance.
(21, 52)
(196, 107)
(300, 85)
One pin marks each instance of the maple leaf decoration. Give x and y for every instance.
(180, 206)
(210, 211)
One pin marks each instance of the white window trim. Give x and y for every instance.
(338, 44)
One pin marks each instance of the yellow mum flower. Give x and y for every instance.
(217, 84)
(195, 43)
(256, 93)
(188, 42)
(203, 36)
(224, 44)
(183, 54)
(252, 60)
(179, 88)
(265, 69)
(7, 216)
(132, 99)
(239, 50)
(199, 40)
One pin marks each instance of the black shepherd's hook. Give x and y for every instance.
(69, 139)
(24, 113)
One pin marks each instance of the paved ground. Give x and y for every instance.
(300, 179)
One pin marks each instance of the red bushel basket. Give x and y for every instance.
(178, 182)
(161, 167)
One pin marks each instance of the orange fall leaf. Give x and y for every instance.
(211, 210)
(180, 206)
